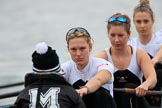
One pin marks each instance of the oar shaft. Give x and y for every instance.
(8, 106)
(8, 95)
(11, 85)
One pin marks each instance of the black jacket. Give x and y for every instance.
(44, 90)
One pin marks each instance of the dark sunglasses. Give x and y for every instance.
(119, 19)
(78, 29)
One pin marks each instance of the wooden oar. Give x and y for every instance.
(11, 85)
(132, 91)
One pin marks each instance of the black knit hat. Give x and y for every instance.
(45, 59)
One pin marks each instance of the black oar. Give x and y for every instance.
(132, 91)
(9, 95)
(11, 85)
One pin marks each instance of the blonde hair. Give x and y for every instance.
(78, 34)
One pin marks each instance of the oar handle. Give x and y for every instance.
(132, 91)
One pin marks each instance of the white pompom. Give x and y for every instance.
(41, 48)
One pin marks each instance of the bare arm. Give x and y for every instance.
(149, 73)
(95, 82)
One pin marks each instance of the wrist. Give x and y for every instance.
(85, 86)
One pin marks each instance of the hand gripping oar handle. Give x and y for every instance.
(132, 91)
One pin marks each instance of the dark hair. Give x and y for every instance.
(126, 24)
(144, 6)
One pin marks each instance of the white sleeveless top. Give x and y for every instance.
(72, 74)
(133, 66)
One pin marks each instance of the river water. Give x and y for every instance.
(23, 23)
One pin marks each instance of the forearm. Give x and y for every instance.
(93, 85)
(97, 81)
(150, 81)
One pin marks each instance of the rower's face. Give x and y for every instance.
(79, 50)
(143, 23)
(118, 36)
